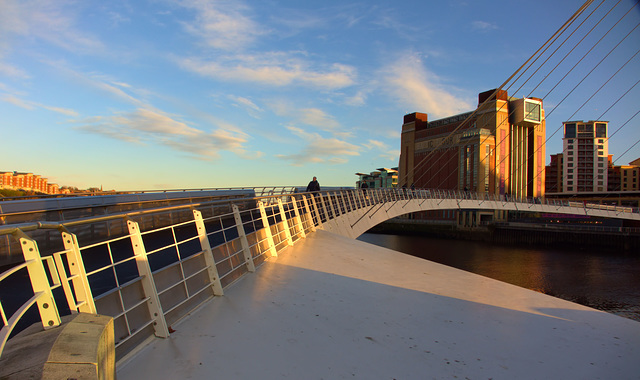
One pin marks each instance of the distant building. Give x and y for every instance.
(585, 165)
(630, 176)
(26, 182)
(499, 150)
(586, 152)
(553, 174)
(619, 177)
(381, 178)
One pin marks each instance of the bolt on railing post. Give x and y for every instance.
(210, 262)
(39, 281)
(246, 251)
(298, 220)
(267, 230)
(78, 273)
(148, 285)
(283, 216)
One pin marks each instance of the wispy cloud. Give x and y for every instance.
(273, 69)
(11, 70)
(46, 20)
(320, 150)
(150, 126)
(314, 117)
(483, 26)
(103, 83)
(29, 105)
(383, 151)
(246, 104)
(416, 88)
(228, 27)
(222, 24)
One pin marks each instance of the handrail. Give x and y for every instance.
(199, 248)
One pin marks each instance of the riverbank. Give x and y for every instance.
(559, 236)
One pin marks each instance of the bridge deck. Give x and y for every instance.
(333, 307)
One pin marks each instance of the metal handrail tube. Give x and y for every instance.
(326, 205)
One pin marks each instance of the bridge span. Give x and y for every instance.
(288, 261)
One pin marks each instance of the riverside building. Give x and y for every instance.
(497, 149)
(586, 151)
(381, 178)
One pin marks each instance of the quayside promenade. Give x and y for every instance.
(332, 307)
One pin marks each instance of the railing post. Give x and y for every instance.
(316, 211)
(283, 216)
(78, 274)
(267, 230)
(39, 282)
(212, 269)
(148, 285)
(248, 259)
(298, 220)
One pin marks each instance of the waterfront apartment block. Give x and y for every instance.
(496, 149)
(27, 182)
(586, 151)
(381, 178)
(585, 165)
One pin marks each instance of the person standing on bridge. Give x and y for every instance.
(313, 186)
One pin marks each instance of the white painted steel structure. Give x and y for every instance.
(149, 268)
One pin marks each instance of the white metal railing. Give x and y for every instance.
(148, 268)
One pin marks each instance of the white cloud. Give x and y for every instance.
(383, 150)
(12, 71)
(247, 104)
(149, 126)
(415, 88)
(266, 69)
(359, 99)
(320, 150)
(314, 117)
(101, 82)
(28, 105)
(47, 20)
(318, 118)
(483, 26)
(222, 24)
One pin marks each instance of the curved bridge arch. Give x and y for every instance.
(352, 212)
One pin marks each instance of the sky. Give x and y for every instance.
(177, 94)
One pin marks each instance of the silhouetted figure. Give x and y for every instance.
(364, 187)
(313, 186)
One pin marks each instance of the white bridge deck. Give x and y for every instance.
(332, 307)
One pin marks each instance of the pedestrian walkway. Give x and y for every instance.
(331, 307)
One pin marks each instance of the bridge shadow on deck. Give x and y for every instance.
(332, 307)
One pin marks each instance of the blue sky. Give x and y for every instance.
(166, 94)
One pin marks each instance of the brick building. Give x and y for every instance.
(496, 149)
(27, 182)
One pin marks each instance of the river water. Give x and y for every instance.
(605, 281)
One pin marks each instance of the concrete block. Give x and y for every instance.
(84, 350)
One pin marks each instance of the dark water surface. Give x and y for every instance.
(602, 280)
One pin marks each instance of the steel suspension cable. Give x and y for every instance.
(536, 54)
